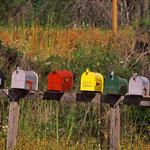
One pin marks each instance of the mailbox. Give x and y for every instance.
(2, 79)
(27, 80)
(139, 85)
(91, 81)
(116, 85)
(60, 80)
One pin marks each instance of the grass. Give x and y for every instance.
(54, 125)
(43, 42)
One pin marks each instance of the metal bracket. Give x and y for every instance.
(15, 94)
(119, 101)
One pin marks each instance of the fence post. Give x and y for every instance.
(13, 124)
(114, 127)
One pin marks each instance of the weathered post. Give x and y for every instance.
(14, 96)
(13, 124)
(114, 127)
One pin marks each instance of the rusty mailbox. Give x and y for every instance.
(27, 80)
(2, 79)
(92, 81)
(60, 80)
(138, 85)
(116, 85)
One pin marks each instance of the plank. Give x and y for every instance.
(35, 95)
(110, 99)
(137, 100)
(13, 124)
(73, 97)
(77, 97)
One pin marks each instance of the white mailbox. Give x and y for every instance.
(139, 85)
(27, 80)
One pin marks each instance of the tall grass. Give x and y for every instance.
(54, 125)
(37, 41)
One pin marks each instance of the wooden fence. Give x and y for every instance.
(113, 100)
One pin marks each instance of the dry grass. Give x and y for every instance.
(43, 42)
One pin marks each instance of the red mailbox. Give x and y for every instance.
(60, 80)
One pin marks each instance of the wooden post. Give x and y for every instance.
(13, 124)
(114, 16)
(117, 126)
(114, 127)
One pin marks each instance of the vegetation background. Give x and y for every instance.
(41, 35)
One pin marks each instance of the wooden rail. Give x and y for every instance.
(113, 100)
(76, 97)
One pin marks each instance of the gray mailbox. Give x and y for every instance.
(139, 85)
(27, 80)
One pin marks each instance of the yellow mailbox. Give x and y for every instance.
(91, 81)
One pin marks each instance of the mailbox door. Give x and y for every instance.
(87, 82)
(18, 80)
(139, 86)
(135, 86)
(54, 81)
(112, 86)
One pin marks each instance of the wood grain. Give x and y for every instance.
(137, 100)
(114, 128)
(13, 124)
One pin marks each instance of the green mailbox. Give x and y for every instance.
(116, 85)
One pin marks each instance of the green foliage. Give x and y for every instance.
(123, 72)
(10, 59)
(67, 12)
(138, 123)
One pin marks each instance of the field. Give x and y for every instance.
(54, 125)
(43, 42)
